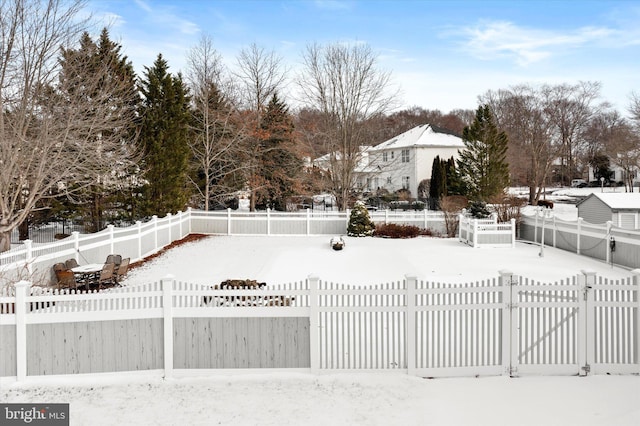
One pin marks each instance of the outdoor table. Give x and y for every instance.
(88, 272)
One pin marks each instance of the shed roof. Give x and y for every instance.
(425, 135)
(617, 200)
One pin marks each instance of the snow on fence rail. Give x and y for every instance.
(486, 232)
(33, 261)
(508, 325)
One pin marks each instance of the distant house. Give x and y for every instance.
(618, 174)
(404, 161)
(621, 208)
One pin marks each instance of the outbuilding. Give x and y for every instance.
(621, 208)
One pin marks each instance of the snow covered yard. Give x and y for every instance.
(346, 399)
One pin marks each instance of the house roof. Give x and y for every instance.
(425, 135)
(617, 200)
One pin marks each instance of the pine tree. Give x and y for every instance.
(163, 139)
(482, 164)
(279, 166)
(360, 223)
(80, 66)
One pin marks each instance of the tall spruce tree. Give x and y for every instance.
(105, 59)
(482, 165)
(279, 165)
(163, 140)
(438, 185)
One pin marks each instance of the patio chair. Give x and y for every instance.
(106, 275)
(66, 279)
(122, 270)
(71, 263)
(116, 259)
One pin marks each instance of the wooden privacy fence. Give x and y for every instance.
(486, 232)
(507, 325)
(618, 246)
(33, 261)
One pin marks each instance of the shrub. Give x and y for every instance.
(392, 230)
(360, 224)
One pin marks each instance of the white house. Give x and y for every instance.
(405, 160)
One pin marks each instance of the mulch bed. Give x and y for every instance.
(188, 239)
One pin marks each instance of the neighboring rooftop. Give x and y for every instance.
(425, 135)
(618, 200)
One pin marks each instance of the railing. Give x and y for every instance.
(507, 325)
(486, 232)
(617, 246)
(33, 261)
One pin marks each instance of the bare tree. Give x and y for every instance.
(218, 136)
(52, 135)
(521, 112)
(344, 83)
(634, 107)
(570, 107)
(623, 150)
(261, 75)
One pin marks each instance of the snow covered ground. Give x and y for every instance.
(349, 399)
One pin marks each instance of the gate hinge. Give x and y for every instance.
(586, 369)
(511, 305)
(513, 371)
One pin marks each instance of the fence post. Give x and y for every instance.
(139, 225)
(110, 228)
(578, 235)
(22, 290)
(348, 214)
(189, 219)
(555, 228)
(426, 220)
(28, 258)
(636, 283)
(169, 226)
(475, 233)
(609, 226)
(167, 305)
(411, 324)
(586, 282)
(509, 340)
(386, 216)
(535, 228)
(154, 219)
(228, 221)
(314, 324)
(180, 236)
(513, 233)
(76, 244)
(269, 221)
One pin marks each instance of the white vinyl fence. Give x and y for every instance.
(618, 246)
(507, 325)
(486, 232)
(33, 262)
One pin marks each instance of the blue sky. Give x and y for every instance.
(442, 54)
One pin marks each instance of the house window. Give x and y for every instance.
(389, 180)
(368, 187)
(392, 155)
(384, 157)
(405, 155)
(405, 182)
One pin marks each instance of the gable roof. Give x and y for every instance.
(424, 135)
(617, 200)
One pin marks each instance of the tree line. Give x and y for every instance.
(81, 135)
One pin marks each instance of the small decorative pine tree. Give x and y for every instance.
(479, 210)
(360, 224)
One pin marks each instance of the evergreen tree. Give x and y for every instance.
(163, 140)
(79, 68)
(279, 166)
(438, 185)
(360, 223)
(482, 164)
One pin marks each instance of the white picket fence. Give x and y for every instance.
(507, 325)
(486, 232)
(33, 261)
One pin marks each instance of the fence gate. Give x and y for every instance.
(576, 326)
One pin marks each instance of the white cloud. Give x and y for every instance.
(496, 39)
(166, 16)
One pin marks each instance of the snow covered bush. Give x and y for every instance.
(360, 224)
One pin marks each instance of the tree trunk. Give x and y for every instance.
(23, 230)
(5, 241)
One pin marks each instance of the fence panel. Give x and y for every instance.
(548, 326)
(615, 310)
(458, 328)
